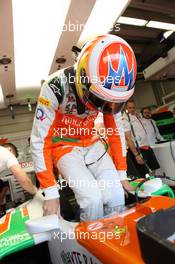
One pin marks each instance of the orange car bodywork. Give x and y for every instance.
(122, 248)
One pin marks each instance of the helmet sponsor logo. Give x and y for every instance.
(117, 68)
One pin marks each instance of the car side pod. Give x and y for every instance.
(43, 224)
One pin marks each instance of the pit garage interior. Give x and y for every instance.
(28, 29)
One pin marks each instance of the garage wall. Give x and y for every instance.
(144, 95)
(23, 120)
(169, 86)
(151, 93)
(18, 130)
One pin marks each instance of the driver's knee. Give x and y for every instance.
(90, 198)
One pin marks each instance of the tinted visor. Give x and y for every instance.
(104, 106)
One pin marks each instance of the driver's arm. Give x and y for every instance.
(116, 138)
(118, 147)
(158, 135)
(41, 142)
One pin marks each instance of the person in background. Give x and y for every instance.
(8, 160)
(150, 126)
(140, 154)
(3, 190)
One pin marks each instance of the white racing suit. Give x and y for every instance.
(63, 133)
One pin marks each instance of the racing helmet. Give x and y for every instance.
(105, 73)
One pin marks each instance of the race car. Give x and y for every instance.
(152, 186)
(113, 239)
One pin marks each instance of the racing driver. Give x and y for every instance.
(63, 133)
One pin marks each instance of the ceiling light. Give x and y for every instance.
(37, 29)
(102, 18)
(162, 37)
(132, 21)
(168, 33)
(29, 105)
(2, 103)
(161, 25)
(12, 111)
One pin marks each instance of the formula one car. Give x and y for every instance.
(113, 239)
(152, 186)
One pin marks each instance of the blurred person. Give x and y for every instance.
(140, 154)
(3, 191)
(150, 126)
(8, 160)
(102, 80)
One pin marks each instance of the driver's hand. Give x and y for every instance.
(51, 207)
(127, 186)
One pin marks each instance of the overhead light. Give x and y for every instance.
(132, 21)
(29, 105)
(102, 18)
(37, 29)
(168, 33)
(2, 103)
(162, 37)
(12, 111)
(161, 25)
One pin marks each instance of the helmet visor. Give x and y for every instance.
(104, 106)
